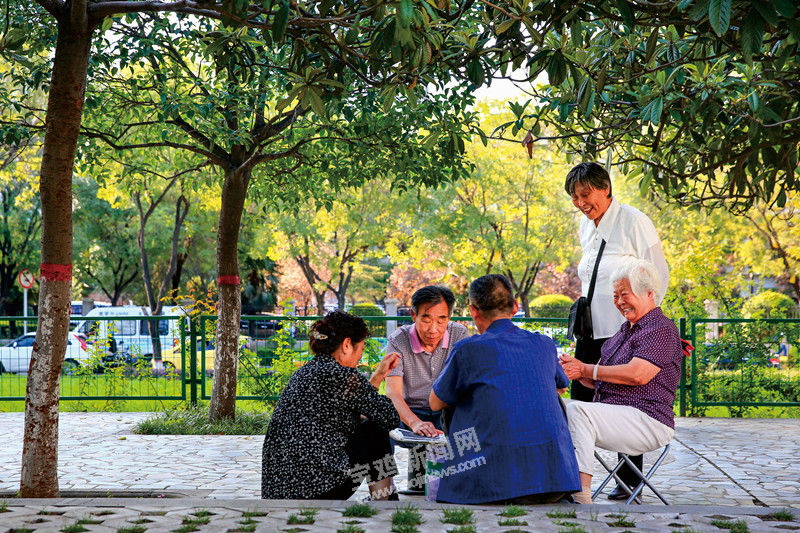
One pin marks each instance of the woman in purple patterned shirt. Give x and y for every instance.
(634, 381)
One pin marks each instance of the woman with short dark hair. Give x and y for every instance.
(628, 234)
(330, 427)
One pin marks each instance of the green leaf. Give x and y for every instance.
(719, 15)
(352, 34)
(280, 21)
(626, 11)
(652, 41)
(556, 69)
(699, 10)
(684, 4)
(781, 200)
(656, 109)
(785, 7)
(107, 23)
(767, 12)
(751, 34)
(600, 84)
(405, 13)
(504, 26)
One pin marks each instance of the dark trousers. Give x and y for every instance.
(588, 351)
(370, 454)
(416, 454)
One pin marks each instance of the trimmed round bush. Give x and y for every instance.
(551, 306)
(770, 304)
(376, 328)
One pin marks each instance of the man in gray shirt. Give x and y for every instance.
(423, 347)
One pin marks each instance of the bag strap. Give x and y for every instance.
(594, 272)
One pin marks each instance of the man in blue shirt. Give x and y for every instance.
(509, 436)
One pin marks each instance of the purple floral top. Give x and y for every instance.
(655, 339)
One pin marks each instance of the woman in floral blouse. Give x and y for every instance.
(330, 428)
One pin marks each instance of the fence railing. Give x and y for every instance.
(737, 365)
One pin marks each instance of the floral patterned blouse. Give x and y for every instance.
(304, 450)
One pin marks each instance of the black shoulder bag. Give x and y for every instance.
(580, 314)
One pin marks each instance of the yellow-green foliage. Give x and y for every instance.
(551, 306)
(770, 304)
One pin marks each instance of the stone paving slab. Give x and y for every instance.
(726, 462)
(184, 515)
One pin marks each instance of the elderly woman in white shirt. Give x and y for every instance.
(629, 234)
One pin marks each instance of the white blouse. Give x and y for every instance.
(629, 234)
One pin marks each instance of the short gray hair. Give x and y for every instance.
(642, 275)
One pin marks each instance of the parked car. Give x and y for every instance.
(16, 355)
(172, 358)
(129, 337)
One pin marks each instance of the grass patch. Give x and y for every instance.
(307, 516)
(132, 529)
(140, 521)
(152, 513)
(783, 515)
(196, 520)
(194, 421)
(457, 516)
(360, 510)
(244, 528)
(253, 514)
(467, 528)
(191, 522)
(20, 530)
(556, 513)
(511, 522)
(88, 521)
(513, 511)
(350, 528)
(187, 528)
(406, 519)
(621, 521)
(3, 506)
(572, 529)
(45, 512)
(74, 528)
(738, 526)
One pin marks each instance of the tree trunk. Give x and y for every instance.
(39, 477)
(319, 297)
(229, 311)
(176, 277)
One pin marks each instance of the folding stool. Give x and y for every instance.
(645, 478)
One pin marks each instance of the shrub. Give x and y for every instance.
(376, 328)
(551, 306)
(770, 304)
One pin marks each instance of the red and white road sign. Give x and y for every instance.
(26, 279)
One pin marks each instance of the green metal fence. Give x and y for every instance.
(740, 364)
(737, 364)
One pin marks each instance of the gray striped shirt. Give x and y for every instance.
(417, 367)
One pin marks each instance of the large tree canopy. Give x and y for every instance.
(700, 98)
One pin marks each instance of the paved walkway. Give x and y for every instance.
(716, 467)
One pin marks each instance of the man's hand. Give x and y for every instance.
(426, 429)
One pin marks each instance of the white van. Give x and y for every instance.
(128, 336)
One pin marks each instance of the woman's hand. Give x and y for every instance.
(572, 367)
(387, 364)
